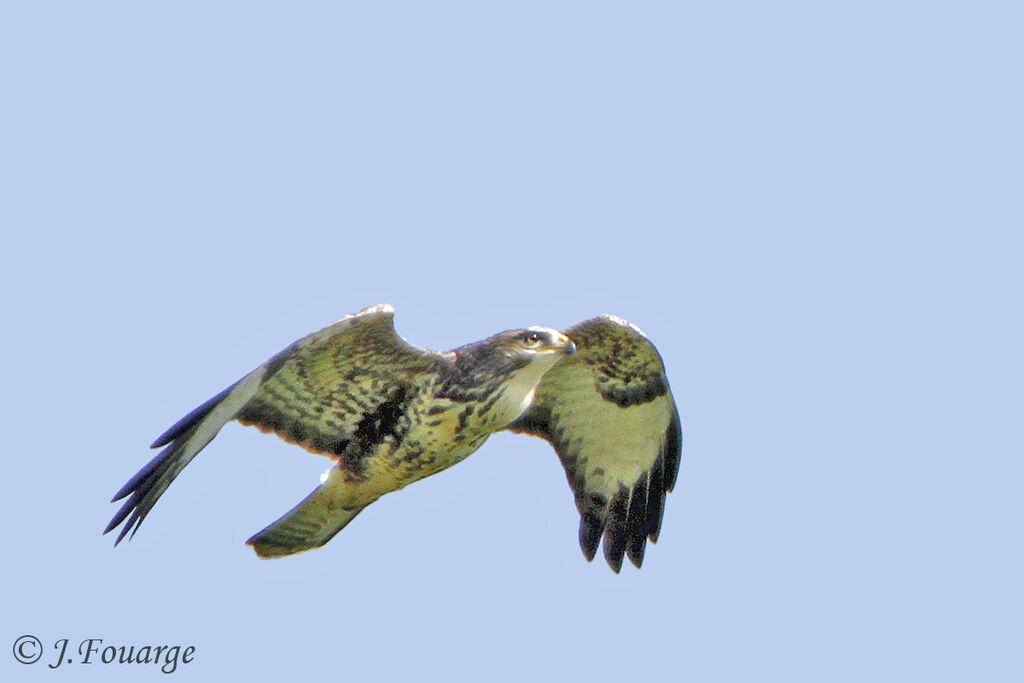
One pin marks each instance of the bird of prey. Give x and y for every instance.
(390, 413)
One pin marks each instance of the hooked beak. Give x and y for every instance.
(569, 347)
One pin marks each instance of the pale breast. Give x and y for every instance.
(445, 431)
(516, 395)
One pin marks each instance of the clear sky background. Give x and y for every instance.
(813, 209)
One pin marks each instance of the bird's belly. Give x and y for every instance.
(425, 450)
(440, 434)
(434, 449)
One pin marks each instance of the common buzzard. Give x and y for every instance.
(390, 413)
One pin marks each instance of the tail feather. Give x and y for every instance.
(311, 523)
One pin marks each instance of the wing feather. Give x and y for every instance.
(610, 416)
(317, 392)
(323, 391)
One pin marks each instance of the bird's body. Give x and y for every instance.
(425, 425)
(390, 413)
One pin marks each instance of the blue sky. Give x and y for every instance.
(813, 210)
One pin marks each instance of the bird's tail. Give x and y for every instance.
(311, 523)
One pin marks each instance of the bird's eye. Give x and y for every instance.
(532, 338)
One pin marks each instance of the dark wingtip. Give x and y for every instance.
(128, 511)
(192, 419)
(655, 500)
(132, 526)
(637, 556)
(119, 517)
(591, 528)
(672, 452)
(615, 531)
(124, 531)
(135, 481)
(662, 478)
(144, 477)
(613, 556)
(636, 522)
(140, 494)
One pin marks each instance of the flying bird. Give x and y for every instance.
(390, 413)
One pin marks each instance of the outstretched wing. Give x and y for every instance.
(322, 391)
(609, 414)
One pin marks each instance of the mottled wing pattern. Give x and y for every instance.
(344, 385)
(323, 390)
(609, 414)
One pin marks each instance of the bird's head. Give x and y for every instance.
(511, 352)
(531, 343)
(516, 360)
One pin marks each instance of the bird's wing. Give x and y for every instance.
(609, 414)
(323, 390)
